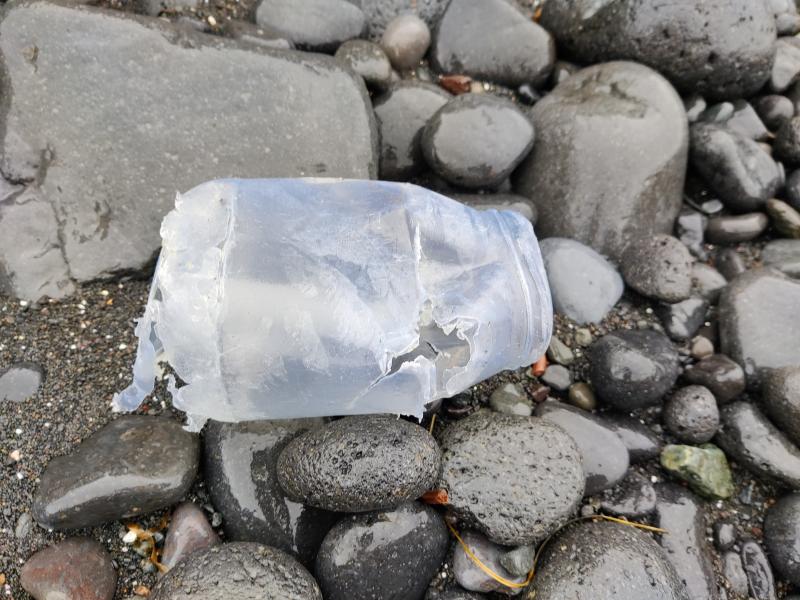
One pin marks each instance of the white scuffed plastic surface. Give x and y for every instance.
(285, 298)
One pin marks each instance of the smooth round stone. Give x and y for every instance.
(704, 468)
(492, 40)
(20, 381)
(680, 512)
(584, 285)
(736, 229)
(590, 181)
(632, 369)
(633, 498)
(517, 492)
(520, 204)
(723, 49)
(792, 189)
(240, 467)
(786, 145)
(405, 41)
(580, 395)
(774, 110)
(691, 414)
(757, 568)
(641, 442)
(785, 219)
(682, 319)
(471, 577)
(134, 465)
(718, 373)
(707, 281)
(604, 456)
(320, 25)
(518, 561)
(557, 377)
(477, 140)
(730, 263)
(748, 437)
(402, 113)
(383, 554)
(724, 535)
(237, 570)
(734, 166)
(695, 105)
(74, 568)
(368, 60)
(783, 255)
(782, 537)
(758, 321)
(510, 399)
(359, 463)
(701, 347)
(595, 560)
(189, 531)
(780, 399)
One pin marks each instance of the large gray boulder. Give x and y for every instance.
(105, 116)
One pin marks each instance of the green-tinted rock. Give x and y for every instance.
(704, 468)
(784, 218)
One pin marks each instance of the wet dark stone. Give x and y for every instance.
(734, 166)
(751, 439)
(492, 40)
(581, 395)
(590, 181)
(633, 498)
(517, 492)
(134, 465)
(368, 60)
(584, 285)
(320, 25)
(641, 442)
(718, 373)
(759, 573)
(707, 281)
(786, 145)
(724, 535)
(785, 219)
(476, 140)
(594, 560)
(20, 381)
(745, 120)
(401, 114)
(758, 321)
(733, 572)
(77, 568)
(774, 110)
(721, 49)
(241, 570)
(383, 554)
(679, 512)
(659, 267)
(782, 537)
(240, 472)
(604, 456)
(682, 319)
(691, 414)
(736, 229)
(780, 400)
(470, 576)
(359, 463)
(632, 369)
(783, 255)
(730, 263)
(792, 189)
(189, 531)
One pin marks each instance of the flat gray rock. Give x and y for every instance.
(320, 25)
(20, 381)
(587, 173)
(103, 140)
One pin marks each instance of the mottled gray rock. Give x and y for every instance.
(774, 110)
(632, 369)
(691, 414)
(658, 267)
(718, 373)
(734, 229)
(604, 456)
(359, 463)
(720, 49)
(759, 574)
(368, 60)
(736, 168)
(20, 381)
(510, 399)
(402, 113)
(584, 285)
(748, 437)
(679, 512)
(707, 281)
(641, 442)
(383, 554)
(724, 535)
(783, 255)
(241, 570)
(82, 215)
(492, 40)
(681, 320)
(633, 498)
(471, 577)
(520, 204)
(733, 571)
(516, 492)
(476, 140)
(519, 561)
(320, 25)
(134, 465)
(380, 13)
(786, 145)
(782, 537)
(780, 399)
(758, 321)
(189, 531)
(77, 568)
(557, 377)
(586, 172)
(406, 41)
(596, 560)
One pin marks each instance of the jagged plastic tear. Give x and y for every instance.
(286, 298)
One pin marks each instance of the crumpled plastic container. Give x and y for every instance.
(285, 298)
